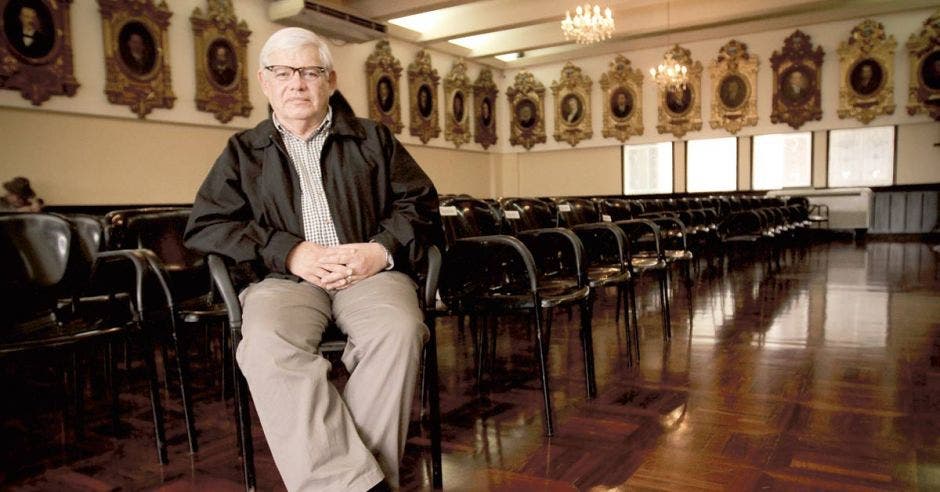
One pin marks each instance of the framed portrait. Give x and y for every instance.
(680, 107)
(623, 113)
(423, 80)
(135, 50)
(221, 79)
(383, 72)
(527, 105)
(36, 49)
(572, 94)
(457, 113)
(865, 60)
(796, 79)
(734, 82)
(484, 108)
(924, 53)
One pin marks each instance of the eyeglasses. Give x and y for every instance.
(283, 73)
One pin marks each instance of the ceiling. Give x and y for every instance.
(485, 29)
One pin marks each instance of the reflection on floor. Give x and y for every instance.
(822, 375)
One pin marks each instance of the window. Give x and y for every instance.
(861, 157)
(783, 160)
(647, 169)
(712, 164)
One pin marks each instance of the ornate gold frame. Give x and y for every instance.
(734, 71)
(572, 124)
(148, 86)
(529, 93)
(621, 79)
(457, 85)
(484, 89)
(864, 98)
(690, 117)
(424, 122)
(923, 49)
(50, 72)
(795, 104)
(221, 89)
(383, 65)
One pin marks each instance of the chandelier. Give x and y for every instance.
(588, 25)
(670, 74)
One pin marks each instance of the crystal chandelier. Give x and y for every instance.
(588, 25)
(670, 74)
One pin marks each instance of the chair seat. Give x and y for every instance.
(607, 275)
(678, 254)
(198, 309)
(46, 332)
(646, 262)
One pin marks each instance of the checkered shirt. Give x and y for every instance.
(305, 154)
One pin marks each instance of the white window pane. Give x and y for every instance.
(712, 164)
(861, 157)
(783, 160)
(647, 169)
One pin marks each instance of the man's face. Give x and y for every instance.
(29, 19)
(621, 100)
(135, 44)
(797, 79)
(572, 105)
(485, 109)
(525, 113)
(296, 98)
(383, 90)
(221, 56)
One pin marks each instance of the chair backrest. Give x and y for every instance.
(574, 211)
(468, 217)
(617, 209)
(162, 233)
(116, 224)
(525, 214)
(91, 230)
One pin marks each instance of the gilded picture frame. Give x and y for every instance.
(422, 87)
(221, 43)
(457, 105)
(680, 109)
(135, 53)
(383, 71)
(734, 88)
(924, 53)
(572, 93)
(484, 108)
(36, 49)
(527, 104)
(797, 78)
(623, 102)
(866, 68)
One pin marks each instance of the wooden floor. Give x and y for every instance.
(824, 375)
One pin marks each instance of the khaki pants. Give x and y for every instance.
(321, 440)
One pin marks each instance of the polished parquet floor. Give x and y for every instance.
(822, 375)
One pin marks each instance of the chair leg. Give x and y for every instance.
(434, 403)
(78, 388)
(631, 292)
(183, 373)
(664, 298)
(617, 309)
(155, 406)
(587, 345)
(244, 421)
(540, 349)
(111, 378)
(688, 289)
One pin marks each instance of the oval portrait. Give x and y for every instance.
(796, 84)
(679, 102)
(29, 28)
(572, 109)
(621, 103)
(456, 107)
(385, 94)
(930, 70)
(425, 101)
(526, 113)
(866, 77)
(137, 49)
(486, 112)
(732, 91)
(221, 62)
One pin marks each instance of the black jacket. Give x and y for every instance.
(249, 209)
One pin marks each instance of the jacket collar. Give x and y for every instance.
(345, 124)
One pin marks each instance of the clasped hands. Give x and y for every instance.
(336, 267)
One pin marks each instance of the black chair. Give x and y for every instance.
(333, 341)
(44, 259)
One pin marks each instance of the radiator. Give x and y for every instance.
(904, 212)
(849, 208)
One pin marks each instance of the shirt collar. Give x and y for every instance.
(324, 126)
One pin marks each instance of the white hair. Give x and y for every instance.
(293, 38)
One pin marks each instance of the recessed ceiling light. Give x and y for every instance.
(510, 56)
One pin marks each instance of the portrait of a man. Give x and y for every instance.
(137, 49)
(572, 109)
(526, 113)
(732, 91)
(621, 104)
(795, 85)
(457, 106)
(930, 70)
(425, 101)
(866, 77)
(385, 94)
(678, 101)
(223, 66)
(486, 112)
(29, 28)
